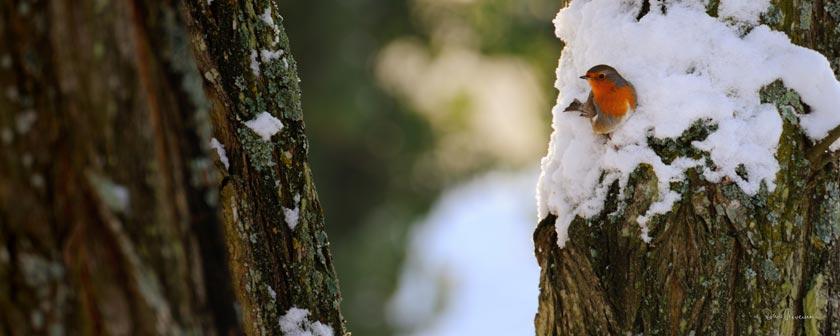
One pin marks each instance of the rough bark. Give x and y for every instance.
(275, 265)
(109, 220)
(105, 227)
(721, 262)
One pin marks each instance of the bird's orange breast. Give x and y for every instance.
(613, 101)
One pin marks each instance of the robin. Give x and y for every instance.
(610, 102)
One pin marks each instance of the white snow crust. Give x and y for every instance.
(686, 67)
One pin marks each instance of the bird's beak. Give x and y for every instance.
(584, 77)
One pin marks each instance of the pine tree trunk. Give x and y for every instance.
(113, 218)
(721, 262)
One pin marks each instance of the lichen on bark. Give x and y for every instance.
(244, 53)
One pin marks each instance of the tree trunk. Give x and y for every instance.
(105, 227)
(721, 262)
(108, 201)
(278, 261)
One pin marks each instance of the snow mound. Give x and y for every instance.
(686, 67)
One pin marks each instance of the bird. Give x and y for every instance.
(611, 101)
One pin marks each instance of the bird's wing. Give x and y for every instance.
(575, 106)
(589, 109)
(586, 109)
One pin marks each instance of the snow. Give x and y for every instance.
(296, 323)
(116, 196)
(255, 64)
(220, 150)
(471, 261)
(271, 292)
(746, 11)
(320, 329)
(268, 55)
(266, 17)
(686, 67)
(265, 56)
(291, 216)
(121, 198)
(266, 125)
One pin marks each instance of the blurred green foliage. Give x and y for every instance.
(366, 146)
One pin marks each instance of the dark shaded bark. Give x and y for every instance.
(721, 262)
(108, 200)
(105, 227)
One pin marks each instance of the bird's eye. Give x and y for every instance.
(601, 76)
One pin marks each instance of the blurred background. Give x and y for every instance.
(427, 120)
